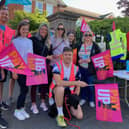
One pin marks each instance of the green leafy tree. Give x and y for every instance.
(35, 18)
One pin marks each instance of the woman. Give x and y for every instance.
(23, 46)
(12, 78)
(72, 42)
(86, 50)
(58, 43)
(41, 46)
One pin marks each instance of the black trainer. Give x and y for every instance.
(3, 123)
(4, 106)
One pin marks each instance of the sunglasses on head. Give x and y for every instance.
(86, 35)
(60, 28)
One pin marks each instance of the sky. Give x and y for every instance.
(98, 6)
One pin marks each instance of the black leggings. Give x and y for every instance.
(23, 91)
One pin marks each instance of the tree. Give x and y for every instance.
(124, 4)
(35, 18)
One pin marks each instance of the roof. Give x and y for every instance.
(82, 12)
(61, 3)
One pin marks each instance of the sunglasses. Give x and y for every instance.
(60, 28)
(86, 35)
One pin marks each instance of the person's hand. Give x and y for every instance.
(49, 57)
(55, 56)
(14, 75)
(81, 84)
(80, 61)
(87, 61)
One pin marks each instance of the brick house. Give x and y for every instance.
(52, 6)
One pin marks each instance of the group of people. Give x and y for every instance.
(69, 66)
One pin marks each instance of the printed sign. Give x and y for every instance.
(37, 64)
(103, 59)
(11, 60)
(107, 103)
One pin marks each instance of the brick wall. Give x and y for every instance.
(13, 8)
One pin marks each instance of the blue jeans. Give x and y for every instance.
(87, 92)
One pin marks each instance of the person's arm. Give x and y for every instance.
(77, 90)
(60, 82)
(84, 61)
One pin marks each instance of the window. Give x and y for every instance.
(49, 9)
(39, 6)
(28, 8)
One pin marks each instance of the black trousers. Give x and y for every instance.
(23, 91)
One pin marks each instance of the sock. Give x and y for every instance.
(60, 111)
(51, 101)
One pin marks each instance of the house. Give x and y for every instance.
(52, 6)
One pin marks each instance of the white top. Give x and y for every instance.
(123, 74)
(61, 43)
(23, 46)
(58, 45)
(67, 71)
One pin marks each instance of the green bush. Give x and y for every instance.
(35, 18)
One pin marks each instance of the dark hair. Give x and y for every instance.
(72, 32)
(3, 8)
(61, 24)
(67, 49)
(22, 23)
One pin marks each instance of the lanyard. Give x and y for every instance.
(85, 49)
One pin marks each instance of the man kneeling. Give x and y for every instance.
(66, 81)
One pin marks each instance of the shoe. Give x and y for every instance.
(92, 104)
(4, 106)
(3, 123)
(9, 101)
(19, 115)
(34, 109)
(82, 102)
(60, 121)
(43, 106)
(25, 114)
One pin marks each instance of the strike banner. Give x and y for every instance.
(11, 60)
(84, 26)
(37, 64)
(108, 103)
(103, 61)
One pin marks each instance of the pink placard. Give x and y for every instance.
(108, 103)
(103, 59)
(37, 64)
(84, 26)
(11, 60)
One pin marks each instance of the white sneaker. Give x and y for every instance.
(82, 102)
(19, 115)
(92, 104)
(25, 114)
(34, 109)
(43, 106)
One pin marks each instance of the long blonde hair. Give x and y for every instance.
(39, 37)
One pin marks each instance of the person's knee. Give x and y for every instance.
(59, 90)
(79, 116)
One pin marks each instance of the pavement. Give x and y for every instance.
(43, 121)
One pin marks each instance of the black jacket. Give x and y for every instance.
(95, 50)
(39, 47)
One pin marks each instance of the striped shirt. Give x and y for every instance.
(84, 53)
